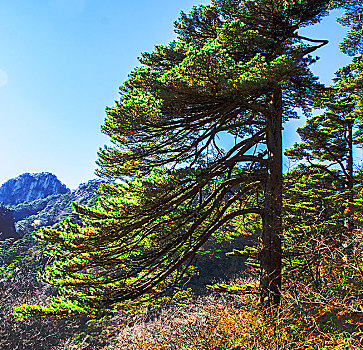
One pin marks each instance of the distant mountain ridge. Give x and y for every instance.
(51, 210)
(29, 187)
(35, 200)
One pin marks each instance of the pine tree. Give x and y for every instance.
(327, 139)
(312, 220)
(237, 68)
(352, 18)
(322, 197)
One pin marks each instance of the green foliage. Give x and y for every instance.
(179, 195)
(14, 251)
(58, 307)
(236, 68)
(352, 18)
(327, 139)
(19, 254)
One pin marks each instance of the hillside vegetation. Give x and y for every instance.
(123, 273)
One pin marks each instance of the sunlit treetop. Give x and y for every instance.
(216, 77)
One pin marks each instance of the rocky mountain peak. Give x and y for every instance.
(29, 187)
(87, 189)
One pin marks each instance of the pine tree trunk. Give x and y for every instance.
(349, 169)
(270, 282)
(349, 162)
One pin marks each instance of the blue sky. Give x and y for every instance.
(61, 64)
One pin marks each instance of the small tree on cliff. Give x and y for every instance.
(237, 68)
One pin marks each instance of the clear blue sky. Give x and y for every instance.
(61, 64)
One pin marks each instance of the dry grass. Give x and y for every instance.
(206, 323)
(324, 316)
(307, 319)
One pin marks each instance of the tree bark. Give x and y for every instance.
(270, 280)
(349, 161)
(349, 169)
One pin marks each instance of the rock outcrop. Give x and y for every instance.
(29, 187)
(52, 209)
(34, 200)
(7, 226)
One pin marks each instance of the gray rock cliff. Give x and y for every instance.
(34, 200)
(7, 227)
(29, 187)
(52, 209)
